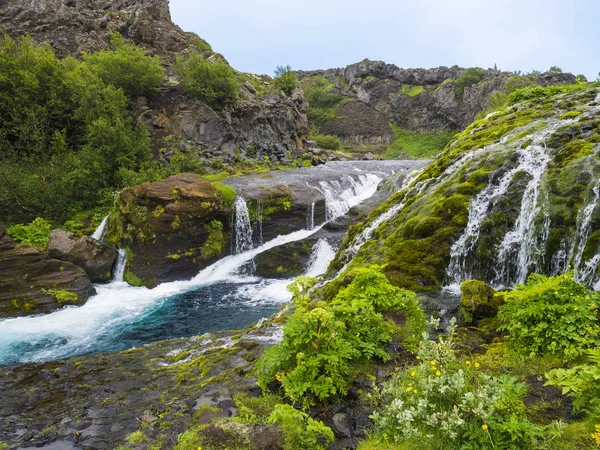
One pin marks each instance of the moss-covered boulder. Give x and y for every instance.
(171, 229)
(33, 283)
(285, 261)
(479, 301)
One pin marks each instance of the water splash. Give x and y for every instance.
(100, 232)
(341, 195)
(119, 271)
(243, 227)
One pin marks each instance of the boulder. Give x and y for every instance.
(172, 229)
(478, 301)
(285, 261)
(92, 256)
(33, 283)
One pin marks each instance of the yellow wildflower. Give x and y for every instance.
(484, 427)
(438, 373)
(412, 374)
(596, 435)
(433, 363)
(468, 363)
(477, 365)
(415, 391)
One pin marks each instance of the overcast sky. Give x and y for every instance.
(257, 35)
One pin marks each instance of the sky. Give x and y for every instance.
(258, 35)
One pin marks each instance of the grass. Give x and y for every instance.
(417, 145)
(412, 91)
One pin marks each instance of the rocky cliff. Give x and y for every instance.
(260, 124)
(417, 100)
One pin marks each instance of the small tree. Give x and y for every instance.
(127, 67)
(285, 79)
(213, 82)
(555, 69)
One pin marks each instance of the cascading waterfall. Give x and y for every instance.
(341, 195)
(243, 227)
(259, 222)
(119, 270)
(101, 230)
(310, 217)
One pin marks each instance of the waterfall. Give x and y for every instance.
(322, 254)
(101, 230)
(341, 195)
(119, 271)
(259, 222)
(243, 227)
(584, 227)
(310, 217)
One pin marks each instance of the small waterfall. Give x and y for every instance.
(322, 254)
(584, 231)
(119, 271)
(310, 217)
(341, 195)
(259, 222)
(243, 227)
(101, 230)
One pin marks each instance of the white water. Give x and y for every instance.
(243, 227)
(119, 271)
(101, 230)
(118, 306)
(341, 195)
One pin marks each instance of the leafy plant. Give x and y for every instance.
(213, 82)
(285, 79)
(551, 315)
(581, 381)
(36, 234)
(444, 402)
(468, 78)
(324, 344)
(300, 431)
(326, 141)
(322, 100)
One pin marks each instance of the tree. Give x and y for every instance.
(285, 79)
(127, 67)
(555, 69)
(213, 82)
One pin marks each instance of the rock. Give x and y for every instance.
(92, 256)
(33, 283)
(479, 301)
(368, 157)
(341, 425)
(172, 229)
(285, 261)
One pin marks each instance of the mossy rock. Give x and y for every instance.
(479, 301)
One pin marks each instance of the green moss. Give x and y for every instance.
(66, 298)
(216, 241)
(570, 115)
(322, 100)
(136, 438)
(572, 151)
(226, 192)
(412, 91)
(132, 279)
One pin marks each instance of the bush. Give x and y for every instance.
(213, 82)
(551, 315)
(324, 344)
(300, 431)
(36, 234)
(327, 141)
(581, 381)
(127, 67)
(322, 101)
(285, 80)
(444, 402)
(468, 78)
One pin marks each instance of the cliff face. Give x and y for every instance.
(259, 125)
(417, 100)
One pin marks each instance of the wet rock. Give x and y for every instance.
(341, 425)
(33, 283)
(285, 261)
(479, 301)
(92, 256)
(173, 228)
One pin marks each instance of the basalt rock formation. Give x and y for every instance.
(259, 124)
(32, 283)
(417, 100)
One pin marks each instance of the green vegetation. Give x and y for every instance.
(326, 141)
(468, 78)
(62, 297)
(227, 193)
(412, 91)
(569, 311)
(300, 430)
(127, 67)
(326, 343)
(285, 79)
(37, 233)
(322, 101)
(64, 131)
(213, 82)
(416, 145)
(446, 402)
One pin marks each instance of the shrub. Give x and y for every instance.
(444, 402)
(300, 431)
(127, 67)
(551, 315)
(213, 82)
(581, 381)
(285, 80)
(467, 78)
(324, 344)
(327, 141)
(322, 101)
(36, 234)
